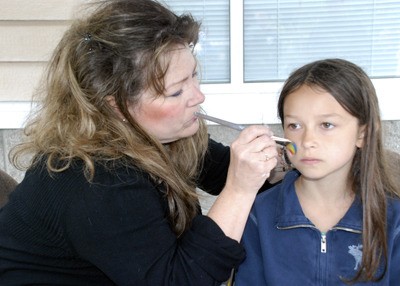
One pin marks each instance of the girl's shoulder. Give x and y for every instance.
(393, 218)
(393, 210)
(282, 189)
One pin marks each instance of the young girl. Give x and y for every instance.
(335, 219)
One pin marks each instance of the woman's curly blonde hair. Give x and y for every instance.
(116, 50)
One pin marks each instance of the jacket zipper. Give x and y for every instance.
(323, 242)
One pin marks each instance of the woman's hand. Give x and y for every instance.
(253, 156)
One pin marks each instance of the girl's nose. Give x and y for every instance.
(308, 138)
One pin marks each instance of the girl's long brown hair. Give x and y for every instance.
(370, 174)
(118, 49)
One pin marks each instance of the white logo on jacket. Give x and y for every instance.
(356, 251)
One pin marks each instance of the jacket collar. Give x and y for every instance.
(289, 213)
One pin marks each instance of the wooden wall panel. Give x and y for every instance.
(18, 80)
(29, 41)
(38, 9)
(29, 32)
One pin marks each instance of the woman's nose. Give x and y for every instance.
(197, 97)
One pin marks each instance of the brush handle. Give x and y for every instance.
(236, 126)
(220, 121)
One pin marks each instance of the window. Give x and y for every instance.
(248, 47)
(282, 35)
(213, 49)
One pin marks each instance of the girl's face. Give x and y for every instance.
(171, 116)
(326, 135)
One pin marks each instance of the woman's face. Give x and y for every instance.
(171, 116)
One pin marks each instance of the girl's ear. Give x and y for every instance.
(360, 137)
(111, 101)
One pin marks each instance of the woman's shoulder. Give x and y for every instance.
(74, 180)
(118, 173)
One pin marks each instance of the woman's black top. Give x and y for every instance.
(60, 229)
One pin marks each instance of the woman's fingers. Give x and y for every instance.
(253, 156)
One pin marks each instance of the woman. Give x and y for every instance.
(109, 197)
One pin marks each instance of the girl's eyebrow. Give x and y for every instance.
(327, 115)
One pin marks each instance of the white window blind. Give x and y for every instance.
(282, 35)
(213, 49)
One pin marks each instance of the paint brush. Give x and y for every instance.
(282, 141)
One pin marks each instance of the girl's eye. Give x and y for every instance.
(293, 126)
(327, 125)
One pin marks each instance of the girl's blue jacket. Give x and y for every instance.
(284, 248)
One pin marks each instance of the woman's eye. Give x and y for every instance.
(178, 93)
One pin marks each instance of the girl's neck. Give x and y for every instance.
(324, 203)
(323, 191)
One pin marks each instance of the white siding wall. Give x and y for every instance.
(29, 31)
